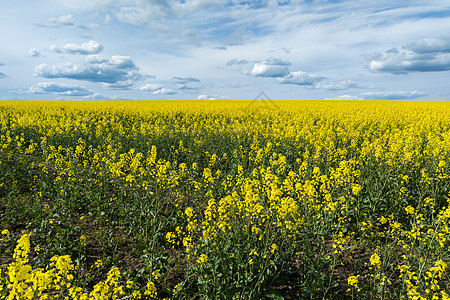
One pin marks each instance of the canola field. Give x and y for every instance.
(224, 200)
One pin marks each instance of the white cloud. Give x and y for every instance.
(392, 95)
(279, 69)
(382, 95)
(427, 55)
(195, 5)
(120, 85)
(441, 44)
(263, 70)
(186, 83)
(301, 78)
(114, 70)
(211, 97)
(91, 26)
(157, 89)
(271, 67)
(59, 89)
(65, 20)
(146, 13)
(237, 62)
(276, 61)
(91, 47)
(34, 52)
(151, 87)
(164, 91)
(326, 38)
(333, 86)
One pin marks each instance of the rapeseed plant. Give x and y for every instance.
(216, 199)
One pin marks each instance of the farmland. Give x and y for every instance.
(224, 200)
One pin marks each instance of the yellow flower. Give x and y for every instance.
(353, 281)
(402, 269)
(177, 288)
(98, 263)
(37, 249)
(410, 210)
(274, 248)
(189, 212)
(375, 260)
(5, 232)
(356, 188)
(151, 290)
(83, 240)
(136, 295)
(202, 259)
(156, 274)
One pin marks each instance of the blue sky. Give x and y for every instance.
(211, 49)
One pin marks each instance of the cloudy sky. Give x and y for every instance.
(229, 49)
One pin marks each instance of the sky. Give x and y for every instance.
(234, 49)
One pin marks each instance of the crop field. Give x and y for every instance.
(224, 200)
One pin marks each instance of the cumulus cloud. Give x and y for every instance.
(164, 91)
(151, 87)
(279, 69)
(66, 20)
(59, 89)
(427, 55)
(271, 67)
(301, 78)
(34, 52)
(91, 47)
(392, 95)
(430, 45)
(157, 89)
(115, 70)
